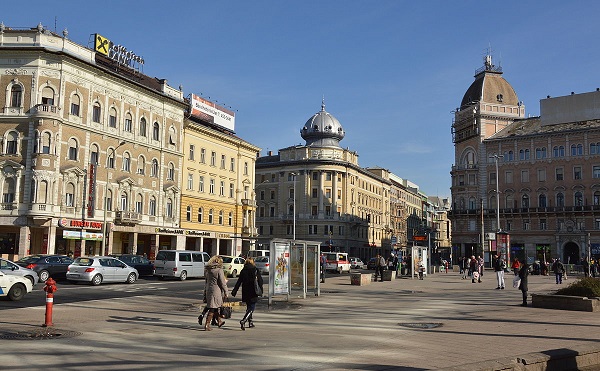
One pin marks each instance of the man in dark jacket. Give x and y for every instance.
(379, 267)
(499, 266)
(523, 274)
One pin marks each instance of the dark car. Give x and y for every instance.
(46, 266)
(372, 263)
(144, 266)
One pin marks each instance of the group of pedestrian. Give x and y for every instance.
(471, 267)
(216, 293)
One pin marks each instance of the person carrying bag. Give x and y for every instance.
(251, 281)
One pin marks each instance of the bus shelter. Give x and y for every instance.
(294, 268)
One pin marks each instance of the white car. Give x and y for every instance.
(232, 265)
(14, 287)
(10, 268)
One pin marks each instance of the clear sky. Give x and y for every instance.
(390, 71)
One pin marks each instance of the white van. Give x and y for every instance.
(180, 264)
(257, 253)
(337, 262)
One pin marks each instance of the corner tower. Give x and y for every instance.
(488, 106)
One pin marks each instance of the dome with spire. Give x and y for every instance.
(322, 130)
(489, 86)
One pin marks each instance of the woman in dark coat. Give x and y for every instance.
(248, 276)
(523, 274)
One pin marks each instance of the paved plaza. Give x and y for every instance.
(369, 327)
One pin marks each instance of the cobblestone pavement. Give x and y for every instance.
(404, 324)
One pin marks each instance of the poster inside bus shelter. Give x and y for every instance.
(282, 268)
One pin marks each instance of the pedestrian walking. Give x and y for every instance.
(323, 267)
(379, 267)
(523, 274)
(464, 267)
(516, 266)
(215, 290)
(480, 267)
(473, 269)
(499, 266)
(559, 269)
(251, 280)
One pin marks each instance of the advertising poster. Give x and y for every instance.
(282, 268)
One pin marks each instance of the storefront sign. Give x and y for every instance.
(189, 232)
(197, 233)
(74, 223)
(82, 235)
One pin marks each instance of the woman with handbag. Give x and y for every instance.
(216, 290)
(252, 282)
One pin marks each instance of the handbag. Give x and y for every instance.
(257, 289)
(516, 282)
(225, 310)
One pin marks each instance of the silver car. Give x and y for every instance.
(262, 264)
(98, 269)
(8, 267)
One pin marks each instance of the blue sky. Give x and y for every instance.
(391, 71)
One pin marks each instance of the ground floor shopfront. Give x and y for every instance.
(64, 236)
(570, 248)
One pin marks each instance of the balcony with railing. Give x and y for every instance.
(249, 232)
(128, 217)
(248, 203)
(45, 110)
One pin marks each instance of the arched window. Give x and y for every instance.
(597, 198)
(139, 203)
(48, 96)
(110, 160)
(46, 140)
(200, 215)
(172, 136)
(156, 131)
(126, 162)
(542, 200)
(96, 112)
(108, 202)
(169, 208)
(576, 149)
(154, 168)
(525, 202)
(230, 219)
(16, 96)
(188, 213)
(560, 200)
(141, 165)
(128, 125)
(143, 129)
(152, 206)
(12, 139)
(210, 216)
(70, 195)
(75, 103)
(171, 171)
(94, 154)
(493, 202)
(73, 149)
(509, 201)
(220, 217)
(578, 199)
(124, 201)
(8, 191)
(472, 203)
(42, 192)
(112, 117)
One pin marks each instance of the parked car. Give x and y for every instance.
(372, 263)
(262, 263)
(232, 265)
(46, 266)
(144, 266)
(98, 269)
(356, 263)
(11, 268)
(14, 287)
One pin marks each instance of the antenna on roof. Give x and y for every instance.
(323, 103)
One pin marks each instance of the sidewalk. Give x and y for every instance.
(347, 327)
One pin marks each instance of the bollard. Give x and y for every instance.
(49, 288)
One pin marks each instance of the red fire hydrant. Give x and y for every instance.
(50, 288)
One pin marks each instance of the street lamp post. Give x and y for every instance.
(104, 247)
(498, 229)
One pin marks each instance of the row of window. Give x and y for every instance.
(211, 216)
(557, 152)
(213, 159)
(16, 100)
(211, 186)
(559, 174)
(542, 201)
